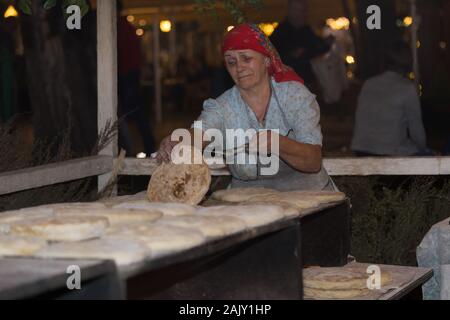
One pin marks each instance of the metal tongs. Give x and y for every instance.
(232, 152)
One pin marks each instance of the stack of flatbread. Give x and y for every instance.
(337, 283)
(292, 202)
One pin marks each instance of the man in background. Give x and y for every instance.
(296, 41)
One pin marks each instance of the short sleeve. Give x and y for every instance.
(304, 115)
(211, 116)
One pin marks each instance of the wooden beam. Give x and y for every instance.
(107, 74)
(388, 166)
(49, 174)
(335, 166)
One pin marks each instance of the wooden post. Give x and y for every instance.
(157, 70)
(106, 74)
(414, 31)
(173, 48)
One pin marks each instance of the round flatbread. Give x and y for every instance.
(338, 279)
(74, 205)
(11, 245)
(254, 216)
(160, 239)
(10, 217)
(210, 227)
(122, 251)
(67, 228)
(320, 294)
(241, 194)
(320, 196)
(168, 209)
(112, 201)
(115, 216)
(287, 197)
(182, 183)
(289, 210)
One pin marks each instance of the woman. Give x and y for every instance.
(267, 95)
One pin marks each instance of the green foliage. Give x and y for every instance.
(236, 8)
(84, 7)
(26, 5)
(389, 220)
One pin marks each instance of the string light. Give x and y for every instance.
(268, 28)
(10, 12)
(407, 21)
(140, 32)
(165, 25)
(341, 23)
(350, 59)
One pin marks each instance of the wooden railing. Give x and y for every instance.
(337, 166)
(66, 171)
(40, 176)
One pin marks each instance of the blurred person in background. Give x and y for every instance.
(297, 43)
(131, 106)
(388, 119)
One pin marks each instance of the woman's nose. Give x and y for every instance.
(239, 67)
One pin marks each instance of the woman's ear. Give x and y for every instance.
(267, 62)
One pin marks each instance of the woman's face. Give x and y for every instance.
(248, 68)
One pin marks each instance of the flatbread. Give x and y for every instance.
(9, 217)
(210, 227)
(115, 216)
(20, 246)
(74, 205)
(339, 279)
(123, 252)
(320, 196)
(241, 194)
(112, 201)
(289, 210)
(161, 240)
(168, 209)
(320, 294)
(67, 228)
(254, 216)
(183, 183)
(287, 197)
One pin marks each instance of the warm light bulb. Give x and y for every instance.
(140, 32)
(165, 25)
(10, 12)
(350, 59)
(407, 21)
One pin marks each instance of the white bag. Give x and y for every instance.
(331, 74)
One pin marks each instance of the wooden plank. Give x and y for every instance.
(388, 166)
(53, 173)
(106, 74)
(335, 166)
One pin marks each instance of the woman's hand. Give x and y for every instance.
(165, 150)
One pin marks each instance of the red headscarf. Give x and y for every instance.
(250, 36)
